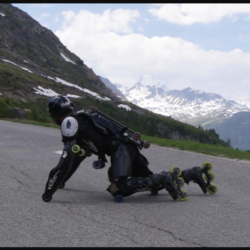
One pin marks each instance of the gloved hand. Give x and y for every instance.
(145, 144)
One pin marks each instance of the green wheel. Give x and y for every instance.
(75, 149)
(212, 189)
(182, 196)
(210, 177)
(181, 182)
(176, 170)
(207, 166)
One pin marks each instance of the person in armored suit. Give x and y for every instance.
(88, 132)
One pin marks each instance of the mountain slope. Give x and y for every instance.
(237, 129)
(113, 88)
(24, 43)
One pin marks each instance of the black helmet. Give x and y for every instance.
(59, 106)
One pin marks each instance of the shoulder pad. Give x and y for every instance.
(82, 113)
(69, 126)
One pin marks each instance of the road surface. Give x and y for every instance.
(84, 214)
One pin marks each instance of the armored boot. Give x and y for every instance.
(195, 174)
(164, 180)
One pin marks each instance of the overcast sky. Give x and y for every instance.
(202, 46)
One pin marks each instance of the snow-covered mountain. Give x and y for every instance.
(114, 87)
(148, 80)
(191, 106)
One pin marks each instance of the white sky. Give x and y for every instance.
(202, 46)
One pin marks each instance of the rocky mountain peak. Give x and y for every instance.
(187, 105)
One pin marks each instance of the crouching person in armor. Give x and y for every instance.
(88, 132)
(129, 173)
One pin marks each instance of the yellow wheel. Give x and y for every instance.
(181, 182)
(75, 149)
(212, 189)
(176, 170)
(211, 177)
(183, 195)
(207, 166)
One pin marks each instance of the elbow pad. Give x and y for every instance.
(69, 127)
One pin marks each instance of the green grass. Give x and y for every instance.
(208, 149)
(203, 148)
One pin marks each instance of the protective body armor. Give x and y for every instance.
(99, 134)
(105, 123)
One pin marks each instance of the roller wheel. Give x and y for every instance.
(181, 181)
(212, 189)
(47, 198)
(176, 170)
(210, 177)
(118, 198)
(182, 196)
(207, 166)
(75, 149)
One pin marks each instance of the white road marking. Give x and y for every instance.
(58, 152)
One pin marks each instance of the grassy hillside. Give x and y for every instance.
(147, 123)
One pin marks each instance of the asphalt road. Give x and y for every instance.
(84, 214)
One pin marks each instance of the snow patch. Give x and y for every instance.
(2, 14)
(59, 80)
(124, 107)
(17, 65)
(245, 104)
(45, 92)
(48, 92)
(82, 89)
(73, 96)
(67, 59)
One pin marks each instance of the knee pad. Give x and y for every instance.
(121, 162)
(140, 167)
